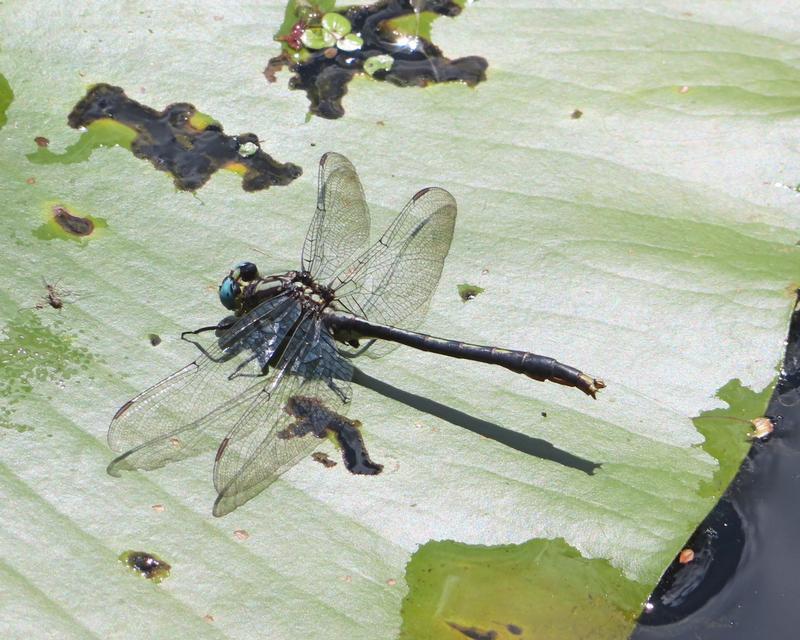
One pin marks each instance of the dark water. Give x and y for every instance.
(413, 61)
(179, 140)
(746, 583)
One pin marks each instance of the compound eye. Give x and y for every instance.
(229, 292)
(247, 271)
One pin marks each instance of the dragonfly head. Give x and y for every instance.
(230, 291)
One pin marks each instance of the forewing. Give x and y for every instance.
(340, 228)
(260, 448)
(392, 283)
(189, 411)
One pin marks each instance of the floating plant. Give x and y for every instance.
(390, 40)
(180, 140)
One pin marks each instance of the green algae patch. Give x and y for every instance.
(180, 140)
(146, 565)
(469, 292)
(32, 353)
(390, 40)
(539, 589)
(64, 222)
(6, 98)
(726, 431)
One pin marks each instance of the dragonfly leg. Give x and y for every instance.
(221, 326)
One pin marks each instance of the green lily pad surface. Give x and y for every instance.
(651, 242)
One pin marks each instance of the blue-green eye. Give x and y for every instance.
(229, 292)
(247, 271)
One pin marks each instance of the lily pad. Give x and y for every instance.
(650, 242)
(318, 38)
(336, 24)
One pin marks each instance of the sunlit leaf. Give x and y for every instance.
(626, 192)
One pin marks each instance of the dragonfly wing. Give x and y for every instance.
(190, 438)
(340, 228)
(392, 283)
(265, 443)
(183, 414)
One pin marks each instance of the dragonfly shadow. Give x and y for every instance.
(513, 439)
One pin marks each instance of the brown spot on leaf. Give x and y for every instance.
(72, 224)
(148, 565)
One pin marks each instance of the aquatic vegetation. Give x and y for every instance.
(390, 40)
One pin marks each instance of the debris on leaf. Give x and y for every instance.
(324, 459)
(763, 427)
(146, 564)
(468, 292)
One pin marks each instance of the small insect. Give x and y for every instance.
(54, 296)
(285, 356)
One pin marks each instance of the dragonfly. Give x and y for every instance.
(275, 380)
